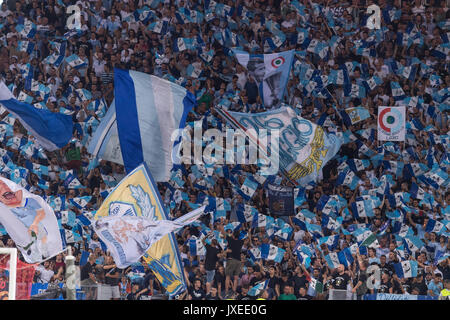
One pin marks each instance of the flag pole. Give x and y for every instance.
(70, 275)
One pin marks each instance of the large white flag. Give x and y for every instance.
(128, 237)
(391, 123)
(30, 222)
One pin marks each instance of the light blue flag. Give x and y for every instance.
(406, 269)
(248, 188)
(75, 62)
(256, 290)
(270, 71)
(348, 178)
(332, 260)
(372, 83)
(345, 257)
(25, 46)
(331, 241)
(351, 116)
(146, 108)
(397, 91)
(26, 30)
(246, 213)
(52, 130)
(159, 27)
(271, 252)
(434, 226)
(304, 147)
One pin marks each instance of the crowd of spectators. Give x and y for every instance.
(121, 34)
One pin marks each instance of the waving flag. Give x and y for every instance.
(304, 147)
(30, 222)
(406, 269)
(137, 197)
(348, 178)
(52, 130)
(351, 116)
(332, 260)
(146, 108)
(270, 71)
(256, 290)
(271, 252)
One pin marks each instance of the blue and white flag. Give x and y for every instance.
(75, 61)
(331, 241)
(358, 164)
(52, 130)
(348, 178)
(332, 260)
(270, 71)
(147, 108)
(345, 257)
(435, 226)
(372, 83)
(304, 147)
(406, 269)
(350, 116)
(256, 290)
(27, 29)
(397, 91)
(271, 252)
(25, 46)
(159, 27)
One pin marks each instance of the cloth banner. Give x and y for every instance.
(391, 123)
(137, 196)
(281, 200)
(30, 222)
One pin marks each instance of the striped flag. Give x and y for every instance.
(332, 260)
(406, 269)
(256, 290)
(345, 257)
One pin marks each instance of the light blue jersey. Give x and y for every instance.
(28, 212)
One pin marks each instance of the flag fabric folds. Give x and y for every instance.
(270, 72)
(52, 130)
(141, 102)
(406, 269)
(30, 222)
(137, 196)
(304, 147)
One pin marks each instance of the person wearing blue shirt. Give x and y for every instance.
(435, 286)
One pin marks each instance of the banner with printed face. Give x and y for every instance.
(30, 222)
(281, 200)
(391, 123)
(136, 201)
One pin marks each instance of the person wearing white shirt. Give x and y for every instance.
(45, 273)
(4, 12)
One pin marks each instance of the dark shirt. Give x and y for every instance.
(211, 257)
(384, 287)
(299, 282)
(340, 281)
(219, 278)
(252, 91)
(197, 294)
(236, 247)
(112, 281)
(86, 270)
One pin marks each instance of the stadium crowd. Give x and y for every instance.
(223, 263)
